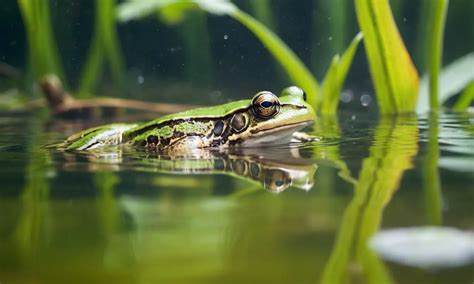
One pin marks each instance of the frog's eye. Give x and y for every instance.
(265, 105)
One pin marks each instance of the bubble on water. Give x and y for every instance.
(140, 79)
(404, 19)
(365, 100)
(353, 117)
(330, 38)
(347, 96)
(226, 37)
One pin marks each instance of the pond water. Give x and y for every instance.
(137, 218)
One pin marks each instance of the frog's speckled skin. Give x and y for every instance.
(263, 120)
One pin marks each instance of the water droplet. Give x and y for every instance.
(365, 100)
(226, 37)
(347, 96)
(140, 79)
(330, 38)
(404, 19)
(353, 117)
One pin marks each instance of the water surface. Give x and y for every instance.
(129, 219)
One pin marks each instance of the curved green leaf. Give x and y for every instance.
(295, 69)
(335, 77)
(395, 77)
(452, 80)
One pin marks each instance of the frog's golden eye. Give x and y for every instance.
(265, 105)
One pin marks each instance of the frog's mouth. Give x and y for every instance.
(277, 135)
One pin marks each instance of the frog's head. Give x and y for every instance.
(272, 119)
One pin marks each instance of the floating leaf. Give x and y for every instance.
(453, 79)
(395, 77)
(425, 247)
(335, 77)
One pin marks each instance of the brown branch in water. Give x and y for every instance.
(60, 102)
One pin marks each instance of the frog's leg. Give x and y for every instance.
(96, 137)
(304, 137)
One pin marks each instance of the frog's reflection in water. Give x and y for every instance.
(275, 168)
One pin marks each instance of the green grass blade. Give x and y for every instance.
(335, 77)
(295, 69)
(395, 77)
(95, 59)
(438, 21)
(110, 40)
(293, 66)
(105, 46)
(92, 68)
(453, 79)
(263, 12)
(43, 56)
(466, 98)
(330, 89)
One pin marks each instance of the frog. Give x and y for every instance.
(262, 121)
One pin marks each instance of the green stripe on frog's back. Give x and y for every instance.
(198, 121)
(110, 134)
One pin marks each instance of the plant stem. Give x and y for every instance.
(438, 20)
(465, 99)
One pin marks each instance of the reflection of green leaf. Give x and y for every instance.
(327, 127)
(430, 174)
(391, 154)
(395, 77)
(335, 77)
(453, 79)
